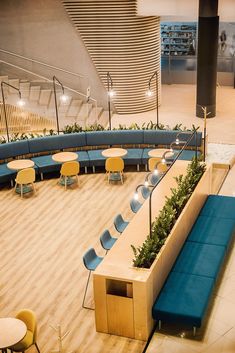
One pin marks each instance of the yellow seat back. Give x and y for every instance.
(29, 318)
(162, 167)
(114, 164)
(25, 176)
(70, 168)
(152, 163)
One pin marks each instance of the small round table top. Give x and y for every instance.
(11, 331)
(114, 152)
(63, 157)
(159, 152)
(19, 164)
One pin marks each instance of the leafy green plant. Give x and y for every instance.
(145, 254)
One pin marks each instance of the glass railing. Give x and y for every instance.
(38, 93)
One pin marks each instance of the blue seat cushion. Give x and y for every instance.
(133, 156)
(46, 164)
(83, 158)
(145, 156)
(96, 158)
(186, 155)
(183, 299)
(212, 230)
(200, 259)
(219, 206)
(6, 174)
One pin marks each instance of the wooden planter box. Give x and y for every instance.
(124, 295)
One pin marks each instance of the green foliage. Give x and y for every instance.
(145, 254)
(76, 128)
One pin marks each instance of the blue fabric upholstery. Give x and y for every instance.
(44, 144)
(135, 205)
(116, 137)
(96, 158)
(212, 230)
(46, 164)
(83, 158)
(133, 156)
(159, 137)
(14, 149)
(145, 156)
(200, 259)
(186, 155)
(119, 223)
(106, 240)
(219, 206)
(6, 174)
(73, 140)
(183, 299)
(91, 260)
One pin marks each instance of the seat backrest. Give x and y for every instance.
(88, 257)
(162, 167)
(114, 164)
(152, 163)
(135, 205)
(105, 236)
(70, 168)
(26, 176)
(145, 192)
(29, 318)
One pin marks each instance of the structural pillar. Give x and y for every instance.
(208, 28)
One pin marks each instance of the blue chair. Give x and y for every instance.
(106, 240)
(119, 223)
(145, 192)
(91, 260)
(154, 179)
(135, 205)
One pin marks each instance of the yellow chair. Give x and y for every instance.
(152, 162)
(69, 170)
(25, 177)
(162, 168)
(29, 318)
(114, 165)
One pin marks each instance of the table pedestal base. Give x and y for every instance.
(115, 177)
(26, 189)
(69, 181)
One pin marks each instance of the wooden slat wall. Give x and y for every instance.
(126, 45)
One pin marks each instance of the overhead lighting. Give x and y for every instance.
(21, 103)
(149, 93)
(136, 196)
(146, 183)
(64, 98)
(111, 93)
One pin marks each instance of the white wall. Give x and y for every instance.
(42, 30)
(182, 10)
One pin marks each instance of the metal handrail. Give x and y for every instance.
(42, 63)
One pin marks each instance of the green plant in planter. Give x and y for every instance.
(145, 254)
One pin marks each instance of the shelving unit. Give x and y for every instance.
(178, 39)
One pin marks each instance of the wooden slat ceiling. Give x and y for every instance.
(126, 45)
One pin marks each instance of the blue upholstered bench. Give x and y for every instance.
(186, 293)
(89, 146)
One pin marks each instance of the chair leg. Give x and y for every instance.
(41, 175)
(34, 189)
(85, 170)
(37, 347)
(65, 182)
(93, 169)
(21, 190)
(15, 187)
(12, 184)
(121, 175)
(83, 302)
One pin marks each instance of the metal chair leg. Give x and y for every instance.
(37, 347)
(83, 302)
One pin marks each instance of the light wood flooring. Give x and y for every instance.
(42, 240)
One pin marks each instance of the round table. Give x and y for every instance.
(19, 164)
(12, 331)
(159, 152)
(63, 157)
(114, 152)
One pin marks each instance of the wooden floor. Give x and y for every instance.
(42, 241)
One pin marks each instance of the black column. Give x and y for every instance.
(208, 26)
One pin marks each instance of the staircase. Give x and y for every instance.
(39, 110)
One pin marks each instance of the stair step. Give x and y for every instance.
(44, 98)
(14, 82)
(94, 115)
(24, 89)
(84, 111)
(34, 93)
(104, 118)
(74, 108)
